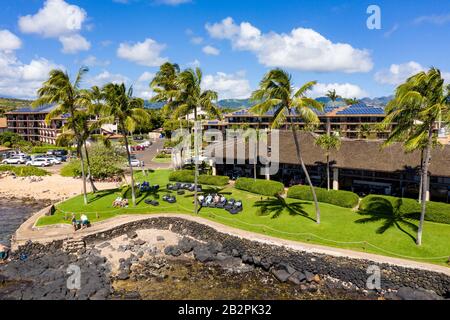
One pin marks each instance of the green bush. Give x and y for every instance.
(22, 171)
(105, 163)
(339, 198)
(378, 204)
(163, 155)
(260, 186)
(44, 149)
(188, 176)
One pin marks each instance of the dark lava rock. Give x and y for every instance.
(309, 276)
(202, 254)
(132, 235)
(139, 242)
(215, 247)
(172, 251)
(406, 293)
(123, 275)
(281, 274)
(187, 245)
(103, 245)
(285, 266)
(247, 259)
(235, 253)
(160, 238)
(297, 277)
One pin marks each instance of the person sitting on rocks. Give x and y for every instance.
(84, 221)
(124, 203)
(4, 250)
(75, 223)
(216, 198)
(222, 198)
(200, 199)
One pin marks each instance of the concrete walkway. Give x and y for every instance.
(28, 231)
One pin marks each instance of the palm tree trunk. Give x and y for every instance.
(83, 174)
(421, 169)
(195, 161)
(426, 163)
(308, 179)
(254, 162)
(133, 194)
(91, 180)
(328, 172)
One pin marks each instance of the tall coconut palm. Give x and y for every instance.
(164, 84)
(418, 105)
(128, 111)
(68, 99)
(328, 142)
(277, 93)
(332, 95)
(190, 98)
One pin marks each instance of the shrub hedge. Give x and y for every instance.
(188, 176)
(25, 171)
(378, 204)
(44, 149)
(339, 198)
(260, 186)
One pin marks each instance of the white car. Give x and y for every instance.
(17, 159)
(136, 163)
(53, 160)
(39, 162)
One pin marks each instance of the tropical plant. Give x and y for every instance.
(164, 84)
(70, 99)
(277, 93)
(190, 98)
(328, 143)
(351, 101)
(418, 105)
(128, 111)
(332, 95)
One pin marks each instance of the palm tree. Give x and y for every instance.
(332, 95)
(418, 105)
(128, 111)
(190, 98)
(69, 99)
(328, 143)
(164, 84)
(276, 93)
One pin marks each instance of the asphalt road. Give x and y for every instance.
(150, 153)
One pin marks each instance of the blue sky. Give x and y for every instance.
(234, 42)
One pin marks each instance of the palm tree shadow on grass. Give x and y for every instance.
(380, 209)
(101, 194)
(276, 206)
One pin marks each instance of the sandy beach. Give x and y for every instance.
(54, 187)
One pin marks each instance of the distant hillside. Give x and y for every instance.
(379, 102)
(9, 104)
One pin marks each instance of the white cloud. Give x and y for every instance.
(74, 43)
(228, 86)
(21, 80)
(61, 20)
(146, 77)
(398, 73)
(433, 19)
(193, 64)
(106, 77)
(55, 19)
(301, 49)
(196, 40)
(210, 50)
(93, 61)
(145, 53)
(346, 90)
(9, 41)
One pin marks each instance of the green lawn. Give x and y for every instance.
(162, 160)
(289, 219)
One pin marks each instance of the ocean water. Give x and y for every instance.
(13, 213)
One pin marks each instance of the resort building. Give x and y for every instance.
(30, 124)
(3, 125)
(362, 166)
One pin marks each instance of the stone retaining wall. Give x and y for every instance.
(265, 256)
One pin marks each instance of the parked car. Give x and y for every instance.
(57, 153)
(61, 158)
(53, 160)
(16, 159)
(39, 162)
(136, 163)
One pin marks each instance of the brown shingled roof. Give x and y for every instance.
(362, 154)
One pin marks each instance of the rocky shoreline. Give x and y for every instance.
(133, 260)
